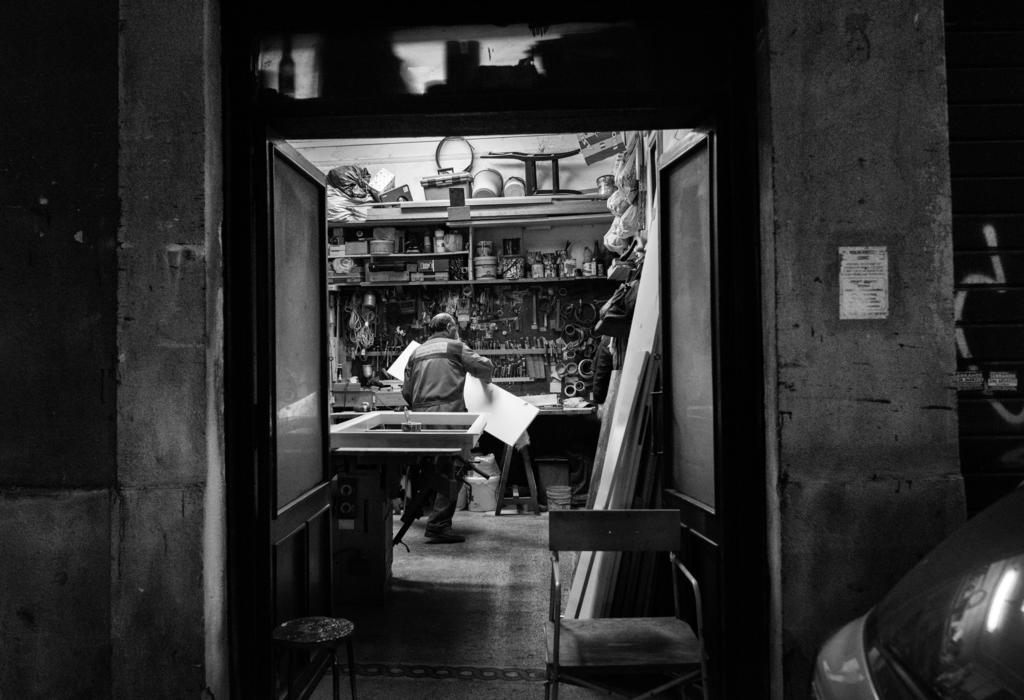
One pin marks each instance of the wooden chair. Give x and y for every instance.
(580, 650)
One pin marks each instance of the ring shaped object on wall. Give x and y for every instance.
(570, 332)
(579, 386)
(586, 368)
(560, 369)
(570, 389)
(585, 314)
(454, 152)
(572, 368)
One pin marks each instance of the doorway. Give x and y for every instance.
(737, 557)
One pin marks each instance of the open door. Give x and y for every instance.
(292, 369)
(712, 378)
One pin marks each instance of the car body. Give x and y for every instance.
(952, 628)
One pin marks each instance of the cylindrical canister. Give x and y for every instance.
(485, 267)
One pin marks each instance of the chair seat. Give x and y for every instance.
(638, 643)
(314, 632)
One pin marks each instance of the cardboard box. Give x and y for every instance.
(433, 265)
(357, 248)
(399, 194)
(386, 276)
(382, 181)
(437, 187)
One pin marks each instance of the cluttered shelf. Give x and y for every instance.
(335, 283)
(483, 212)
(462, 253)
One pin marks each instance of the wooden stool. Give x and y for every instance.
(500, 498)
(320, 634)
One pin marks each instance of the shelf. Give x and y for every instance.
(363, 256)
(459, 283)
(545, 221)
(498, 211)
(515, 380)
(479, 351)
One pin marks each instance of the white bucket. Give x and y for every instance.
(487, 183)
(514, 187)
(482, 496)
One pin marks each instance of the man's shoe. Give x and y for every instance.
(443, 537)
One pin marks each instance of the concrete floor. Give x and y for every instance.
(474, 610)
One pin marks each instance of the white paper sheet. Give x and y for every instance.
(397, 368)
(508, 416)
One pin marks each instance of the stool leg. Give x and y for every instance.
(351, 667)
(336, 674)
(530, 479)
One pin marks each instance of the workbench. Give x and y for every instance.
(368, 465)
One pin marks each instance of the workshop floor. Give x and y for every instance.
(462, 620)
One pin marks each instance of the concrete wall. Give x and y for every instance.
(58, 225)
(168, 579)
(865, 473)
(111, 511)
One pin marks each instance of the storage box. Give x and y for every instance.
(434, 265)
(386, 276)
(437, 187)
(357, 248)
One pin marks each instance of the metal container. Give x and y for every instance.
(605, 186)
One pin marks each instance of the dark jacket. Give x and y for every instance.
(436, 374)
(603, 365)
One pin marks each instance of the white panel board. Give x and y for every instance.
(507, 415)
(591, 582)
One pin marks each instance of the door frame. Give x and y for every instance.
(732, 110)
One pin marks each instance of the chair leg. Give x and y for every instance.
(351, 667)
(335, 674)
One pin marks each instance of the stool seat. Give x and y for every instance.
(324, 635)
(314, 631)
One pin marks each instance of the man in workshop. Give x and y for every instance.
(434, 380)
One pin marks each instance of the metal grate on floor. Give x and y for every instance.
(477, 673)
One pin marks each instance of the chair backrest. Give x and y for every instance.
(614, 531)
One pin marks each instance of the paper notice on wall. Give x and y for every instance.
(863, 282)
(508, 416)
(1001, 381)
(397, 368)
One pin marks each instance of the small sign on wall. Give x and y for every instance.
(863, 282)
(1002, 381)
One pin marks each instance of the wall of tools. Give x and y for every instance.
(539, 336)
